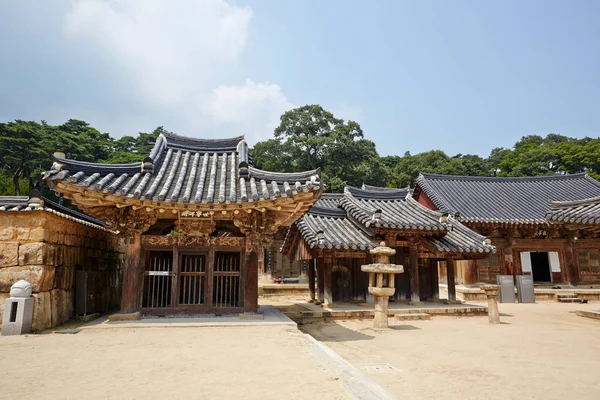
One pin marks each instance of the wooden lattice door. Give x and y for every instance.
(192, 280)
(226, 280)
(158, 280)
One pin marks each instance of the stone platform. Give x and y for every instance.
(303, 313)
(589, 314)
(468, 293)
(268, 316)
(283, 289)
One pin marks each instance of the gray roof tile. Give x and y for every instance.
(584, 212)
(506, 200)
(22, 204)
(331, 212)
(187, 170)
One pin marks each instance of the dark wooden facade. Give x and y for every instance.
(515, 214)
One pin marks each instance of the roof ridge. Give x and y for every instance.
(194, 139)
(577, 175)
(391, 194)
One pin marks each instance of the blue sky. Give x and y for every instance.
(461, 76)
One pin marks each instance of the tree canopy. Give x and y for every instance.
(307, 137)
(26, 149)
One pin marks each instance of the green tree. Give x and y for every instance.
(311, 137)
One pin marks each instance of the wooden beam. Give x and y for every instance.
(130, 290)
(251, 283)
(414, 274)
(328, 281)
(450, 266)
(311, 279)
(321, 279)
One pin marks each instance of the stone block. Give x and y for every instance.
(125, 317)
(3, 297)
(40, 277)
(36, 253)
(42, 311)
(22, 233)
(63, 277)
(37, 234)
(61, 302)
(7, 233)
(9, 254)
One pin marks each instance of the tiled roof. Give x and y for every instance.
(19, 204)
(577, 212)
(187, 170)
(505, 200)
(338, 231)
(398, 210)
(331, 216)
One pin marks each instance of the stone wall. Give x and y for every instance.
(47, 250)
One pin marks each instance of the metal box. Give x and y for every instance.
(507, 288)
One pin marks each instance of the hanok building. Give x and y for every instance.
(195, 213)
(340, 229)
(540, 225)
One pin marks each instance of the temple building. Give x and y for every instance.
(195, 214)
(337, 233)
(544, 226)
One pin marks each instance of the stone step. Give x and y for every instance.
(566, 296)
(412, 317)
(570, 300)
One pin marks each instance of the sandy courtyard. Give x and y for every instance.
(166, 363)
(541, 351)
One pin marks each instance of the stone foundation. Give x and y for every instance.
(46, 250)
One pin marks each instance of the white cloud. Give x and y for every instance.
(253, 107)
(177, 54)
(171, 49)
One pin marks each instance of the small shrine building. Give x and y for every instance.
(195, 215)
(337, 233)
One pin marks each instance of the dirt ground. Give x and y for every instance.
(540, 351)
(165, 363)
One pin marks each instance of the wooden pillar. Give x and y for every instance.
(471, 272)
(508, 257)
(251, 282)
(435, 280)
(328, 281)
(414, 274)
(571, 268)
(130, 290)
(450, 266)
(320, 280)
(311, 279)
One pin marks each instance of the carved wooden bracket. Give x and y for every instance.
(191, 227)
(129, 221)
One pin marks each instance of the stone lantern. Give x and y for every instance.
(491, 292)
(18, 310)
(381, 282)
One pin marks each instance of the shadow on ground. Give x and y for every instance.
(333, 332)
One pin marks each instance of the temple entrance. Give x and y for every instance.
(540, 266)
(195, 284)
